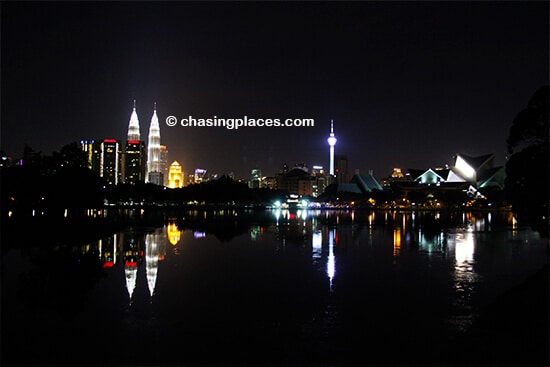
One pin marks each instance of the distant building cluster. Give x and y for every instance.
(476, 172)
(131, 161)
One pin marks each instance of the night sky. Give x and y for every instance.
(408, 84)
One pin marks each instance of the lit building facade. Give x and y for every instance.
(134, 162)
(92, 149)
(175, 176)
(320, 180)
(133, 125)
(296, 181)
(200, 175)
(110, 163)
(255, 178)
(134, 153)
(163, 165)
(154, 169)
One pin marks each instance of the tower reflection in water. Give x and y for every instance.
(133, 256)
(152, 257)
(131, 249)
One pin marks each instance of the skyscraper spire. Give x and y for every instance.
(153, 150)
(331, 142)
(133, 127)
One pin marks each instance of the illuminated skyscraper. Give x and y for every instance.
(134, 154)
(133, 127)
(154, 171)
(164, 164)
(92, 149)
(331, 142)
(110, 163)
(134, 162)
(175, 176)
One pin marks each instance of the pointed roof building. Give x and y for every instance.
(133, 126)
(153, 147)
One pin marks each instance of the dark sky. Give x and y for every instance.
(408, 84)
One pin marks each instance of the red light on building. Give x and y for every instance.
(108, 264)
(131, 263)
(109, 140)
(134, 142)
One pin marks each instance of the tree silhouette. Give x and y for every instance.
(527, 183)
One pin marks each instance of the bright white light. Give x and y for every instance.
(331, 263)
(464, 248)
(465, 169)
(151, 259)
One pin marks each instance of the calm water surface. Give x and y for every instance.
(233, 287)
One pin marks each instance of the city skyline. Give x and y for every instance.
(407, 84)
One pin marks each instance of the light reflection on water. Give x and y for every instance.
(366, 272)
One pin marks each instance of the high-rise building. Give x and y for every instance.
(110, 163)
(164, 164)
(92, 149)
(255, 178)
(134, 154)
(154, 171)
(341, 168)
(331, 142)
(175, 176)
(134, 162)
(320, 182)
(133, 126)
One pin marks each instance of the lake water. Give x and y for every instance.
(273, 287)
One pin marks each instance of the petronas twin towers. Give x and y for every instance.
(153, 171)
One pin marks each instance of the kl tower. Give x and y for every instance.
(331, 142)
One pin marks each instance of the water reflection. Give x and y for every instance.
(152, 255)
(133, 256)
(283, 278)
(173, 232)
(331, 262)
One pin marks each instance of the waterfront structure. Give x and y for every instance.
(331, 142)
(154, 172)
(478, 171)
(296, 181)
(175, 176)
(366, 182)
(431, 176)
